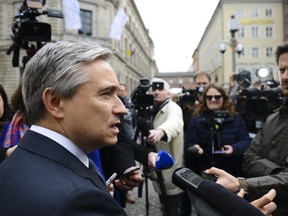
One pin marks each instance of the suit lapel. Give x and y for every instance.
(44, 146)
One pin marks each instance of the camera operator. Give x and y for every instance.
(212, 140)
(167, 135)
(189, 99)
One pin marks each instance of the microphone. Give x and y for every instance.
(163, 160)
(214, 194)
(143, 127)
(211, 191)
(193, 151)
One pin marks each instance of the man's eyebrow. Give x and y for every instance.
(109, 88)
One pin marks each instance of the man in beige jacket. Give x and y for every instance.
(167, 135)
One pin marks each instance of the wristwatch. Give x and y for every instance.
(243, 184)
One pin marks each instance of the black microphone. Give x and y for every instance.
(143, 127)
(193, 151)
(212, 191)
(214, 194)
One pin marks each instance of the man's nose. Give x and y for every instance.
(119, 107)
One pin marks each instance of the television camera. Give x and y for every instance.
(255, 104)
(27, 29)
(142, 101)
(189, 96)
(243, 78)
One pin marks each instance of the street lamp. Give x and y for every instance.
(233, 43)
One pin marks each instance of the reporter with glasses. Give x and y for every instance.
(216, 135)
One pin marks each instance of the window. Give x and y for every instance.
(86, 21)
(240, 13)
(255, 31)
(254, 12)
(269, 51)
(255, 52)
(241, 32)
(269, 31)
(268, 12)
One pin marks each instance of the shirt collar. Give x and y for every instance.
(63, 141)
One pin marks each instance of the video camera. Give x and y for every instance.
(257, 104)
(189, 96)
(243, 78)
(142, 101)
(26, 29)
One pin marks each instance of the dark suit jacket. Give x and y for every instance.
(43, 178)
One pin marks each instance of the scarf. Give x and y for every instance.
(16, 130)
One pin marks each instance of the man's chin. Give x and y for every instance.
(113, 141)
(285, 91)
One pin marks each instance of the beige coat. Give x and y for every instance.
(170, 120)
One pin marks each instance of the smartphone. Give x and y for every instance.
(129, 172)
(111, 179)
(220, 152)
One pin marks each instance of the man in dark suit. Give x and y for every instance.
(70, 95)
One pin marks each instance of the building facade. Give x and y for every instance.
(133, 57)
(178, 79)
(261, 30)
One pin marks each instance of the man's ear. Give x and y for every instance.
(52, 103)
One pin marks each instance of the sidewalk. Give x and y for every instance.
(139, 207)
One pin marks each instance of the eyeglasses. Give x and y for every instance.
(216, 97)
(201, 83)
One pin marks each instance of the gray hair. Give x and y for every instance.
(60, 67)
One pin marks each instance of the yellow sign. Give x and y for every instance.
(256, 21)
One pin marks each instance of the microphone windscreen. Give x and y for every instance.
(164, 160)
(193, 151)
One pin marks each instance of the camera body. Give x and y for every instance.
(256, 104)
(243, 78)
(189, 96)
(142, 101)
(27, 29)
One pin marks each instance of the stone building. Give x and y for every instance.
(133, 57)
(260, 31)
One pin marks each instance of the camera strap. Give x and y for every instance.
(158, 108)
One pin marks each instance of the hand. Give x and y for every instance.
(129, 182)
(225, 179)
(10, 151)
(265, 204)
(228, 149)
(111, 189)
(152, 160)
(155, 136)
(200, 150)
